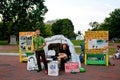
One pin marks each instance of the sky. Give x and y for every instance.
(80, 12)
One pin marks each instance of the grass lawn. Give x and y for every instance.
(4, 43)
(75, 42)
(112, 51)
(78, 50)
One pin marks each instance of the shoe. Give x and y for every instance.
(112, 64)
(46, 71)
(39, 70)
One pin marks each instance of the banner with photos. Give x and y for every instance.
(96, 42)
(25, 43)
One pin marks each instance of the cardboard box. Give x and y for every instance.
(53, 69)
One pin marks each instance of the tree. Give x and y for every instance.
(112, 24)
(79, 32)
(64, 27)
(22, 15)
(48, 31)
(67, 28)
(57, 27)
(94, 25)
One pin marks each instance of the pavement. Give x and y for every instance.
(12, 69)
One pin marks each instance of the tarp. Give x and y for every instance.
(62, 39)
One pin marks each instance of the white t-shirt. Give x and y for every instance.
(117, 53)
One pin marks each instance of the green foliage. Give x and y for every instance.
(64, 27)
(57, 27)
(48, 31)
(22, 15)
(94, 25)
(79, 32)
(112, 24)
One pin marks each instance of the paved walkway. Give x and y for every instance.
(8, 47)
(12, 69)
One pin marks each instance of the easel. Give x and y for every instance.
(96, 47)
(25, 45)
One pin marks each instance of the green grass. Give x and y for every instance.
(78, 50)
(4, 43)
(77, 42)
(117, 41)
(112, 51)
(111, 44)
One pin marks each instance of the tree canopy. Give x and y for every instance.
(48, 31)
(94, 25)
(64, 27)
(112, 24)
(22, 15)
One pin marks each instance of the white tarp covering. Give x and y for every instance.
(62, 39)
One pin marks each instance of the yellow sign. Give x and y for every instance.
(25, 43)
(96, 42)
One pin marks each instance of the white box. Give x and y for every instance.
(53, 69)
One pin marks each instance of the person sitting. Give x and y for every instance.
(64, 55)
(117, 54)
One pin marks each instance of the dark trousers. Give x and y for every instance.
(63, 61)
(42, 54)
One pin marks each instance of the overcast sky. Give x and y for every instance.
(80, 12)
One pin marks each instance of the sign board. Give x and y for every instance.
(96, 42)
(25, 43)
(71, 66)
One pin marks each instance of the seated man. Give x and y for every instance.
(117, 54)
(64, 55)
